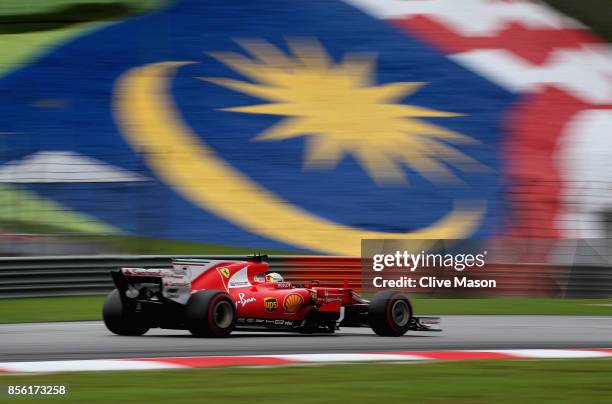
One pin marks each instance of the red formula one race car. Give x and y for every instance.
(211, 298)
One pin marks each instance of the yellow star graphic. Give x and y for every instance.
(343, 112)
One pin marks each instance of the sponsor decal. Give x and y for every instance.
(290, 323)
(268, 322)
(153, 272)
(270, 304)
(292, 302)
(243, 300)
(239, 284)
(259, 278)
(224, 271)
(283, 285)
(239, 279)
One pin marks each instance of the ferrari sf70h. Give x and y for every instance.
(211, 298)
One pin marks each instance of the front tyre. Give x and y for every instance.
(121, 319)
(210, 313)
(390, 313)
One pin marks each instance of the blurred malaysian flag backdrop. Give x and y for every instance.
(308, 126)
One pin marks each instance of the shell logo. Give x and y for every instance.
(292, 303)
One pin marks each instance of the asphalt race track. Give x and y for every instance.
(90, 339)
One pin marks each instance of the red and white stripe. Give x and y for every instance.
(559, 150)
(293, 359)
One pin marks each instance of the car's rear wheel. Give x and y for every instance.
(210, 313)
(122, 319)
(390, 313)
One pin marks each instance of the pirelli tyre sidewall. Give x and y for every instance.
(122, 319)
(390, 313)
(210, 313)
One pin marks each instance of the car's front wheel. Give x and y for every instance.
(121, 319)
(390, 313)
(210, 313)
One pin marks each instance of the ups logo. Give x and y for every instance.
(270, 304)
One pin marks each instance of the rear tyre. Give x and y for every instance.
(390, 313)
(121, 319)
(210, 313)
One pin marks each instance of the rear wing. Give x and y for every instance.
(152, 285)
(157, 284)
(153, 272)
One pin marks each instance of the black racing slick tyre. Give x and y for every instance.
(390, 313)
(210, 313)
(121, 319)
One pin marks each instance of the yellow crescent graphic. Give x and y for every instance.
(150, 122)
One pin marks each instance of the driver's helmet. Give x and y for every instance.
(274, 277)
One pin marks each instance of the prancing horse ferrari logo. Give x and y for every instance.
(224, 271)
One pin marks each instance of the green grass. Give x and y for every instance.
(21, 7)
(64, 16)
(51, 309)
(42, 30)
(550, 381)
(89, 307)
(24, 211)
(514, 305)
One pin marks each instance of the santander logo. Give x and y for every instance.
(244, 301)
